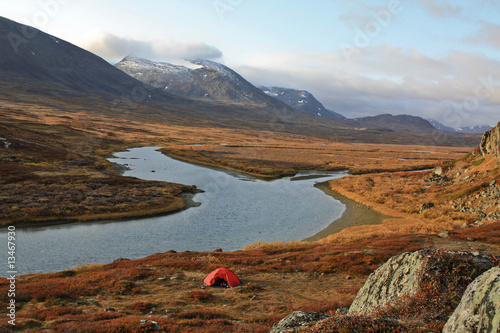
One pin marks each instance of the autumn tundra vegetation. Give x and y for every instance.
(65, 111)
(164, 292)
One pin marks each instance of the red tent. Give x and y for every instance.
(222, 276)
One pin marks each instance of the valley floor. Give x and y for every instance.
(66, 159)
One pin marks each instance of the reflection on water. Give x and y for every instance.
(235, 210)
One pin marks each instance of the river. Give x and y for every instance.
(234, 210)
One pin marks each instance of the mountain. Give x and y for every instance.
(209, 81)
(302, 100)
(45, 78)
(31, 55)
(398, 123)
(469, 129)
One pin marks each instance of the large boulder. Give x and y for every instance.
(402, 275)
(297, 321)
(397, 277)
(479, 309)
(490, 144)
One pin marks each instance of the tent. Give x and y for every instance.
(222, 277)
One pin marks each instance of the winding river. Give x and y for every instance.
(235, 210)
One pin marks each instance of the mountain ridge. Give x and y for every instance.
(479, 129)
(302, 100)
(211, 81)
(46, 71)
(46, 58)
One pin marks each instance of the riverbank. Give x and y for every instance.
(182, 202)
(355, 214)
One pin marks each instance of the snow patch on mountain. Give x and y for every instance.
(300, 99)
(479, 129)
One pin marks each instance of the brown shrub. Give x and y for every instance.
(142, 307)
(348, 324)
(52, 313)
(201, 314)
(489, 233)
(199, 295)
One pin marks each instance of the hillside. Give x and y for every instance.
(209, 81)
(62, 80)
(30, 55)
(399, 123)
(302, 100)
(462, 193)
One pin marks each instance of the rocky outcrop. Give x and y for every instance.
(479, 309)
(483, 204)
(297, 321)
(447, 274)
(397, 277)
(490, 144)
(401, 276)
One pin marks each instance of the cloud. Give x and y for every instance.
(114, 48)
(460, 89)
(488, 34)
(440, 8)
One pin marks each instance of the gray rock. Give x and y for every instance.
(296, 321)
(479, 309)
(399, 276)
(445, 234)
(490, 143)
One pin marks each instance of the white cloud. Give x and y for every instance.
(114, 48)
(489, 34)
(440, 9)
(460, 89)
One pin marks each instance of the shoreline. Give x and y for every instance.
(181, 202)
(355, 214)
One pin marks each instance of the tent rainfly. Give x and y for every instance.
(222, 277)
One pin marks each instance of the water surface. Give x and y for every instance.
(235, 210)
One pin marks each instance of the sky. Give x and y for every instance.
(437, 59)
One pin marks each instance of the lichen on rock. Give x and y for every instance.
(479, 309)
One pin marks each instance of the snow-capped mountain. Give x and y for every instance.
(302, 100)
(468, 129)
(209, 80)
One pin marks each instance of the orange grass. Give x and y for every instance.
(401, 195)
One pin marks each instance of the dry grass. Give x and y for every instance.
(272, 157)
(401, 195)
(167, 288)
(74, 147)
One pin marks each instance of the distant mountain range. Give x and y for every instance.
(302, 100)
(480, 129)
(43, 70)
